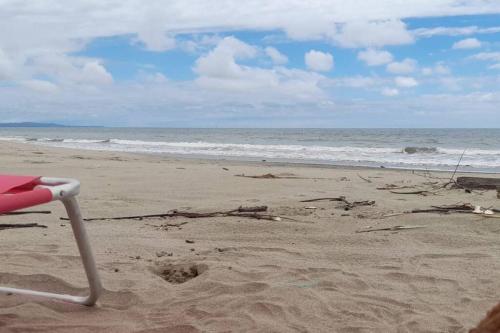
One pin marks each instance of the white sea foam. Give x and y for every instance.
(433, 157)
(13, 139)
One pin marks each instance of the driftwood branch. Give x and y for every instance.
(395, 228)
(269, 176)
(348, 205)
(323, 199)
(465, 208)
(447, 209)
(251, 209)
(4, 226)
(478, 183)
(421, 192)
(395, 187)
(273, 176)
(165, 226)
(28, 212)
(248, 212)
(365, 179)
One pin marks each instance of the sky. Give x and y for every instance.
(255, 63)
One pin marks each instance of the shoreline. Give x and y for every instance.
(258, 161)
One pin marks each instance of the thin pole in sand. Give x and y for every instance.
(456, 167)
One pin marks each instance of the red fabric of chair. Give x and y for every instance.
(17, 192)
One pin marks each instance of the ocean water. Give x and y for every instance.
(433, 149)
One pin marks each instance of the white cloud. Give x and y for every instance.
(373, 57)
(41, 86)
(69, 71)
(185, 104)
(221, 61)
(302, 27)
(95, 73)
(427, 71)
(438, 69)
(197, 43)
(276, 56)
(155, 78)
(487, 56)
(451, 83)
(373, 34)
(453, 31)
(152, 31)
(46, 40)
(318, 61)
(219, 70)
(356, 81)
(156, 23)
(442, 69)
(468, 43)
(6, 66)
(156, 40)
(405, 82)
(403, 67)
(390, 92)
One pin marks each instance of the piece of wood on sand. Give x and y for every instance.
(394, 228)
(24, 212)
(269, 176)
(248, 212)
(4, 226)
(479, 183)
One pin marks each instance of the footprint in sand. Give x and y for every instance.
(179, 273)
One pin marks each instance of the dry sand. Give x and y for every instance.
(315, 274)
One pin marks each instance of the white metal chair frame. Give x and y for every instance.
(66, 190)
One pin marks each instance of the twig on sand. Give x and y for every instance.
(248, 212)
(491, 216)
(165, 226)
(28, 212)
(395, 187)
(421, 192)
(394, 228)
(394, 214)
(348, 205)
(465, 208)
(273, 176)
(268, 176)
(253, 209)
(4, 226)
(324, 199)
(365, 179)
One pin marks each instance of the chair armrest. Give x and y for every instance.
(61, 188)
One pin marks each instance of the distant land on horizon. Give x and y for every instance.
(34, 124)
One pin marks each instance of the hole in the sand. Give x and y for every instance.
(179, 273)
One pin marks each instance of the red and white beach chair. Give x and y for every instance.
(18, 192)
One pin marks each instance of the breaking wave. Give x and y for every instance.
(405, 157)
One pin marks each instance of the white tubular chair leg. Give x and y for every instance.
(80, 233)
(83, 243)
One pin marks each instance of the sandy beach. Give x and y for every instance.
(309, 272)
